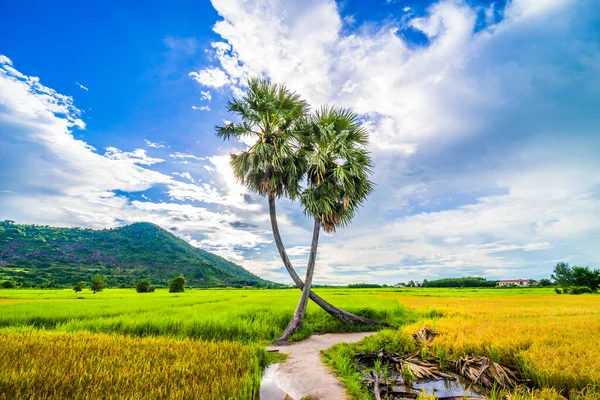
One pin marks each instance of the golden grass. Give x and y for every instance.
(554, 339)
(45, 364)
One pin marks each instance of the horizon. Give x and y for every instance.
(484, 133)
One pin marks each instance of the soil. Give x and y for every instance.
(303, 373)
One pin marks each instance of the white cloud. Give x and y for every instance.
(484, 142)
(56, 179)
(205, 95)
(82, 87)
(138, 156)
(212, 77)
(486, 94)
(157, 145)
(178, 155)
(201, 108)
(185, 175)
(5, 60)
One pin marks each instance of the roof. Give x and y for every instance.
(515, 280)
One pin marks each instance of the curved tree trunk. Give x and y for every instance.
(296, 323)
(342, 315)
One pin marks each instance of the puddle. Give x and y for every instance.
(268, 387)
(443, 389)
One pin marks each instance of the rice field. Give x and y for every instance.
(203, 343)
(50, 364)
(555, 340)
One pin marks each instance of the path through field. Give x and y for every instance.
(303, 373)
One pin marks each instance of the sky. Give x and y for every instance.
(484, 120)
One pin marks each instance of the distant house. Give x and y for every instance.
(515, 282)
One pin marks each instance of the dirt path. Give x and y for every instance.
(303, 373)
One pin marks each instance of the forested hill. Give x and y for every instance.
(44, 256)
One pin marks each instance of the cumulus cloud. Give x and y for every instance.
(458, 127)
(50, 177)
(483, 133)
(212, 77)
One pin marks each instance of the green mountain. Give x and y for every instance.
(45, 256)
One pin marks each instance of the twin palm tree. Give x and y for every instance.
(327, 148)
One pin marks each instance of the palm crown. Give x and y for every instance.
(273, 165)
(338, 166)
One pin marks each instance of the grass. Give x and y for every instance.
(248, 316)
(205, 344)
(554, 339)
(47, 364)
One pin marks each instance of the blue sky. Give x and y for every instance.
(483, 118)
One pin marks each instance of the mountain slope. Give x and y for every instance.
(43, 256)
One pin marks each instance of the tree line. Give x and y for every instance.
(98, 284)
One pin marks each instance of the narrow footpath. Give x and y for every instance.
(303, 373)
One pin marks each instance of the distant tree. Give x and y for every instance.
(425, 282)
(79, 286)
(411, 283)
(545, 282)
(8, 285)
(177, 285)
(143, 286)
(563, 275)
(576, 277)
(470, 281)
(98, 283)
(363, 285)
(583, 276)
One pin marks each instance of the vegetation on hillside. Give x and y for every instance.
(42, 256)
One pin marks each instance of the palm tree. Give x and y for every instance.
(275, 164)
(338, 167)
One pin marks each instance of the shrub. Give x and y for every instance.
(79, 286)
(8, 285)
(558, 290)
(177, 285)
(580, 290)
(143, 286)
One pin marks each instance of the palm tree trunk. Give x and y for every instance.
(342, 315)
(296, 323)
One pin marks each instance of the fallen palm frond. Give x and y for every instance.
(485, 372)
(376, 388)
(422, 369)
(425, 335)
